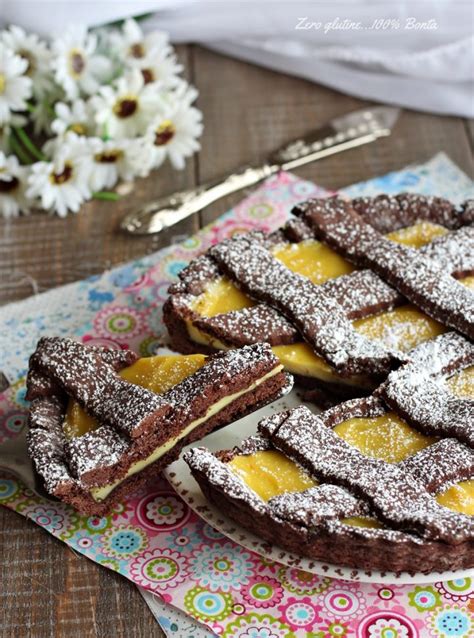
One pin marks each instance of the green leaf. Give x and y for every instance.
(107, 196)
(19, 151)
(29, 145)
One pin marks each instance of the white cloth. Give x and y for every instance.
(421, 57)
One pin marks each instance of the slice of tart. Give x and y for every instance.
(102, 421)
(336, 321)
(379, 483)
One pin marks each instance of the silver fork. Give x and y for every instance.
(14, 459)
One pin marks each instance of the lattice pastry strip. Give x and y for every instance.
(391, 212)
(419, 394)
(415, 276)
(316, 315)
(359, 294)
(393, 494)
(400, 495)
(84, 468)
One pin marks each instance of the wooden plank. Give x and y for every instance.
(469, 124)
(41, 252)
(249, 111)
(46, 589)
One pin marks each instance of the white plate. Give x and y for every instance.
(180, 477)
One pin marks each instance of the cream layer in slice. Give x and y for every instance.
(158, 374)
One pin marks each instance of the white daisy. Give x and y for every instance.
(74, 117)
(113, 160)
(13, 199)
(35, 51)
(126, 110)
(62, 184)
(15, 87)
(131, 43)
(174, 133)
(161, 66)
(77, 65)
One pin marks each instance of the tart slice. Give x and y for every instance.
(339, 313)
(102, 421)
(379, 483)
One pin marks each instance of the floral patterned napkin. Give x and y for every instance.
(153, 538)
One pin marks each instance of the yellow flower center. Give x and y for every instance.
(2, 83)
(164, 133)
(77, 128)
(148, 75)
(77, 63)
(126, 106)
(108, 157)
(26, 55)
(64, 176)
(137, 50)
(8, 185)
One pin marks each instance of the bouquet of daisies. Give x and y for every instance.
(87, 110)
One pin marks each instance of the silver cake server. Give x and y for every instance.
(340, 134)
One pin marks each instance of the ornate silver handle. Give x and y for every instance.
(168, 211)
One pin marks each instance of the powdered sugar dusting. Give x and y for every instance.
(397, 497)
(413, 274)
(84, 375)
(91, 459)
(316, 315)
(419, 393)
(441, 464)
(392, 212)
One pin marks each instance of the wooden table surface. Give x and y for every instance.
(47, 590)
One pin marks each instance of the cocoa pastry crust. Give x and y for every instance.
(61, 369)
(320, 320)
(419, 535)
(358, 295)
(418, 393)
(387, 213)
(416, 277)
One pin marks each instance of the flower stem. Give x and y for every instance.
(107, 196)
(19, 151)
(29, 145)
(105, 133)
(50, 109)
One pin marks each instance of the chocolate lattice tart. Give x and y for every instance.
(340, 301)
(378, 483)
(103, 421)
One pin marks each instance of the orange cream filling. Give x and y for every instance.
(270, 473)
(402, 328)
(158, 374)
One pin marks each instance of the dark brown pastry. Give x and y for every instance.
(416, 276)
(131, 432)
(404, 503)
(289, 309)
